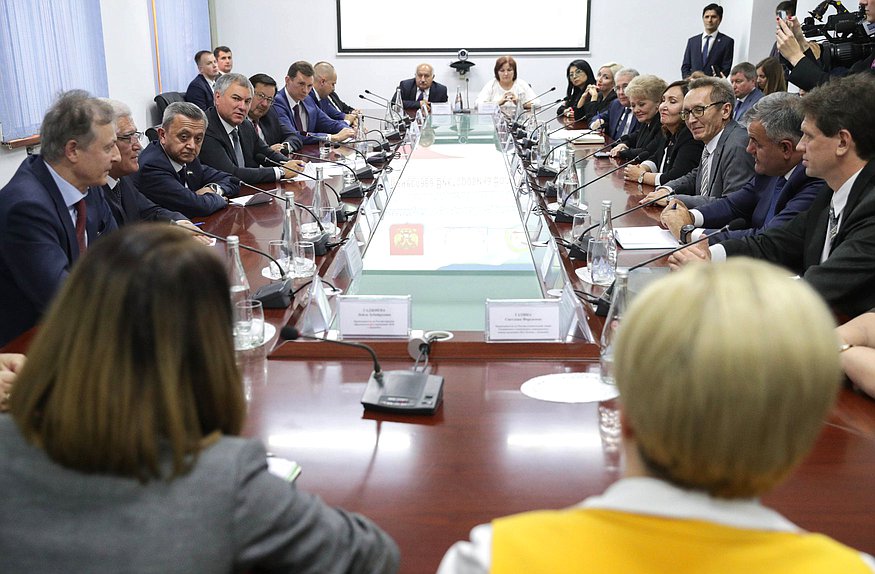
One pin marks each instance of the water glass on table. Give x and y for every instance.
(598, 261)
(248, 324)
(305, 259)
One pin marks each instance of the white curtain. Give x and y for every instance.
(182, 28)
(46, 47)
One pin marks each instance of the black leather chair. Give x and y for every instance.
(167, 98)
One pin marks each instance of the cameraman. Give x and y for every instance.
(807, 68)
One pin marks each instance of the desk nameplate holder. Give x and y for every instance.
(373, 316)
(523, 320)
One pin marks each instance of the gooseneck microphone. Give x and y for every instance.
(734, 225)
(544, 93)
(409, 392)
(273, 295)
(639, 158)
(627, 212)
(351, 191)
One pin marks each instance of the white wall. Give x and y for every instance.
(268, 35)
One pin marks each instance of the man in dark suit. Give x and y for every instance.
(300, 114)
(832, 244)
(725, 165)
(778, 192)
(325, 96)
(267, 123)
(51, 209)
(171, 174)
(711, 51)
(224, 59)
(617, 119)
(200, 90)
(231, 144)
(421, 88)
(744, 83)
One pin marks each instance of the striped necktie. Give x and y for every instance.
(706, 172)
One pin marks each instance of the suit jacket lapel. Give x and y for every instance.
(46, 179)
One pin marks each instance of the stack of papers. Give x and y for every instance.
(588, 139)
(650, 237)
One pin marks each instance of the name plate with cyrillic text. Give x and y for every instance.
(522, 320)
(363, 316)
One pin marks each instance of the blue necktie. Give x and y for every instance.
(705, 50)
(776, 193)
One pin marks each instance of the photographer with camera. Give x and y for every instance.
(848, 52)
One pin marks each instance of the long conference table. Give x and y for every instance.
(453, 224)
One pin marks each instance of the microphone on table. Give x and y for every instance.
(365, 172)
(350, 191)
(379, 157)
(578, 250)
(404, 119)
(400, 124)
(520, 133)
(273, 295)
(604, 302)
(565, 213)
(546, 171)
(409, 392)
(544, 93)
(307, 175)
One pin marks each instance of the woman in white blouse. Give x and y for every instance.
(506, 89)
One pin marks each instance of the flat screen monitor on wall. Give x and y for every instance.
(390, 27)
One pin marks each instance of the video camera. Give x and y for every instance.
(847, 38)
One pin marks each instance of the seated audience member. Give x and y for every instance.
(300, 114)
(857, 351)
(725, 166)
(10, 366)
(644, 93)
(680, 154)
(594, 101)
(711, 419)
(770, 76)
(171, 174)
(617, 120)
(200, 90)
(710, 52)
(230, 142)
(52, 208)
(580, 78)
(128, 205)
(421, 88)
(778, 192)
(325, 96)
(122, 447)
(744, 84)
(224, 59)
(506, 89)
(267, 123)
(830, 244)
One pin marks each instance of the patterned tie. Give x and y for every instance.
(81, 215)
(238, 151)
(833, 229)
(705, 50)
(298, 123)
(706, 172)
(622, 126)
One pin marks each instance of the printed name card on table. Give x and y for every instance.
(365, 316)
(523, 320)
(487, 108)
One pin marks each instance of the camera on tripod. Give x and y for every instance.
(847, 38)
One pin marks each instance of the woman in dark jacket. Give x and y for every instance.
(580, 77)
(644, 94)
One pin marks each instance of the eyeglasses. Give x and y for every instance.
(261, 96)
(698, 111)
(575, 73)
(130, 137)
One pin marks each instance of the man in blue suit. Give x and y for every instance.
(711, 51)
(200, 90)
(51, 209)
(422, 88)
(325, 82)
(301, 114)
(744, 83)
(265, 119)
(171, 174)
(776, 194)
(617, 119)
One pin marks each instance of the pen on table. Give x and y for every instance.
(199, 223)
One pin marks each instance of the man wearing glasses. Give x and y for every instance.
(265, 119)
(128, 205)
(725, 165)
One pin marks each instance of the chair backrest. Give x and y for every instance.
(152, 133)
(167, 98)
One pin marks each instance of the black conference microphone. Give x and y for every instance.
(544, 93)
(544, 170)
(538, 113)
(401, 118)
(603, 304)
(404, 119)
(410, 392)
(378, 157)
(623, 139)
(578, 250)
(365, 172)
(370, 93)
(399, 123)
(351, 191)
(307, 175)
(273, 295)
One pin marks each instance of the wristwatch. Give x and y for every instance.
(686, 231)
(641, 177)
(217, 189)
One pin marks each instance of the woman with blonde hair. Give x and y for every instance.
(121, 452)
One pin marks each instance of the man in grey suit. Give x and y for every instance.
(725, 165)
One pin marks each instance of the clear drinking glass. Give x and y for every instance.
(248, 324)
(598, 261)
(305, 259)
(277, 250)
(328, 219)
(580, 222)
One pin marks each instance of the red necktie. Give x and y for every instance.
(298, 123)
(81, 214)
